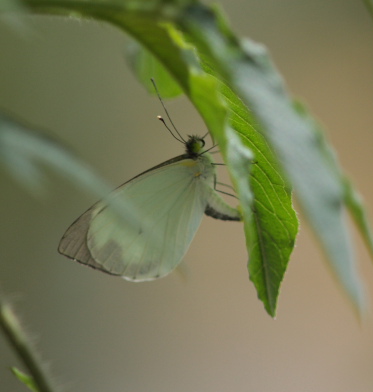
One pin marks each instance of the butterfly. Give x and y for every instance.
(168, 200)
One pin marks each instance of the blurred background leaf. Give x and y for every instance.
(25, 379)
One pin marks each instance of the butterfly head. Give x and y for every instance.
(194, 146)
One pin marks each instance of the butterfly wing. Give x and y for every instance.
(169, 202)
(73, 244)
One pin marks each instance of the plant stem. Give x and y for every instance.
(12, 329)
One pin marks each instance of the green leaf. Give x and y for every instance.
(353, 200)
(25, 379)
(146, 67)
(355, 204)
(271, 231)
(249, 70)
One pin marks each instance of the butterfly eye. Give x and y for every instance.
(199, 144)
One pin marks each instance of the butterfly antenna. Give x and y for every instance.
(168, 116)
(160, 118)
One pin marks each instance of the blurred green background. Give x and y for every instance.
(202, 329)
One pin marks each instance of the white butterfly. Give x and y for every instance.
(170, 200)
(166, 202)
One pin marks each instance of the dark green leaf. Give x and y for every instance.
(270, 234)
